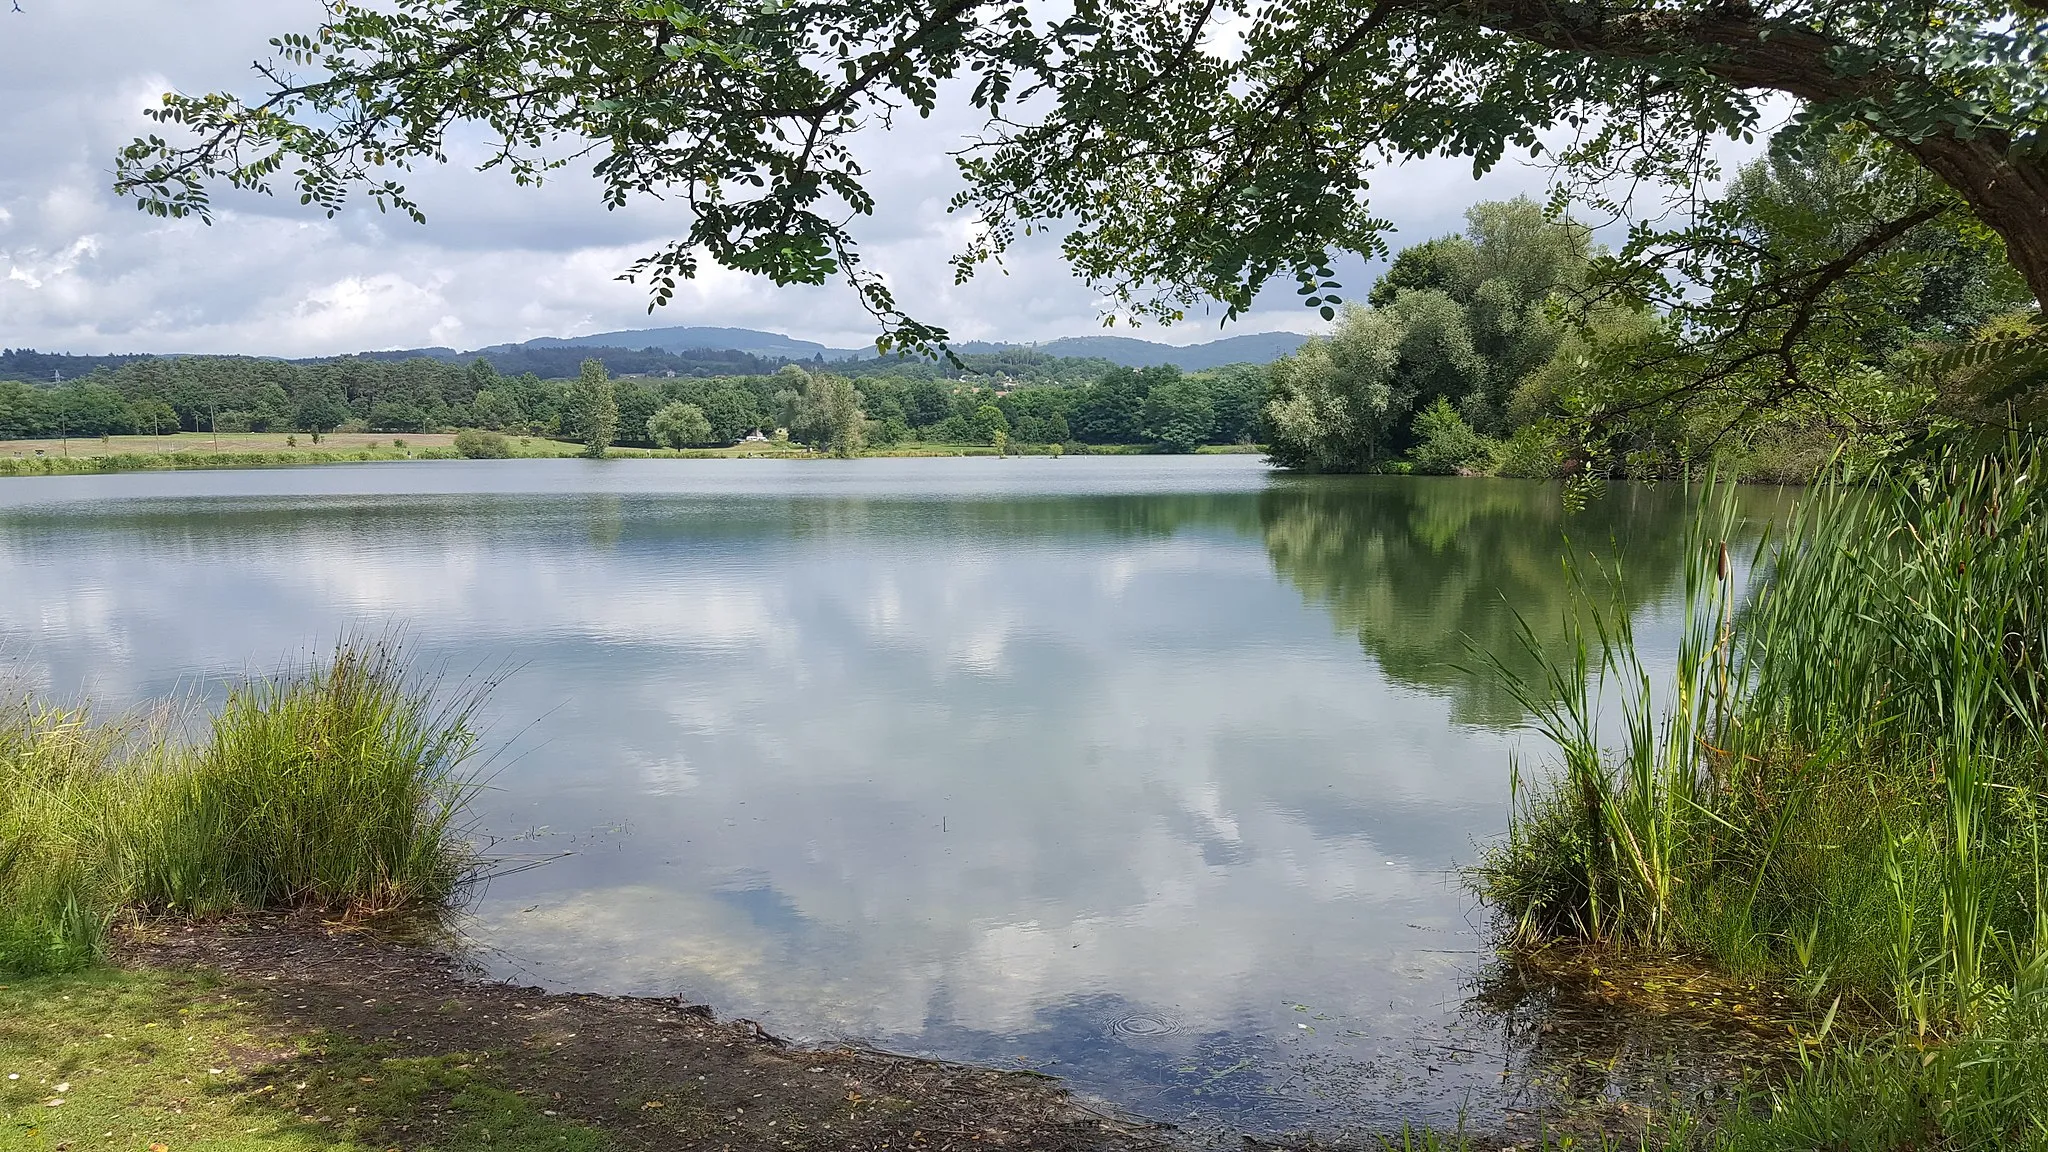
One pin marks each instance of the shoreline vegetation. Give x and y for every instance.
(195, 451)
(332, 788)
(1840, 791)
(190, 957)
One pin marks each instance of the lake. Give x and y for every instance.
(1151, 773)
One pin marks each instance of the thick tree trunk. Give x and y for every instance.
(1730, 41)
(2009, 194)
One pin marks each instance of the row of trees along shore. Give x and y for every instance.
(817, 405)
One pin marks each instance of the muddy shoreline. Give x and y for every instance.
(647, 1073)
(660, 1073)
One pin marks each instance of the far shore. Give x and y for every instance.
(194, 450)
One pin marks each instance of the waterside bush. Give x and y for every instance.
(480, 444)
(335, 788)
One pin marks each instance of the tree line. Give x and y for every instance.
(1521, 348)
(826, 408)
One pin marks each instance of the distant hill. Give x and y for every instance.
(1127, 351)
(48, 367)
(754, 343)
(396, 355)
(1252, 348)
(555, 361)
(745, 351)
(1130, 352)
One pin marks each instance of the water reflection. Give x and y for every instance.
(1059, 764)
(1416, 566)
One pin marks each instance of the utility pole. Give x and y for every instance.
(213, 420)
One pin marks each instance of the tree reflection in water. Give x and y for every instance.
(1429, 571)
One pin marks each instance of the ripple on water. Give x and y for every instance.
(1145, 1025)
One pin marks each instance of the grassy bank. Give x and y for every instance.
(1841, 790)
(335, 788)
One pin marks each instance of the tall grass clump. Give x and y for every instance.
(337, 788)
(56, 885)
(1844, 782)
(334, 788)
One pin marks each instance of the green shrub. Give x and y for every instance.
(479, 444)
(1445, 445)
(1532, 453)
(1784, 457)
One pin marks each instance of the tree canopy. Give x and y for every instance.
(1800, 289)
(1192, 148)
(1456, 325)
(593, 409)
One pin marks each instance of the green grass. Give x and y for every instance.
(141, 1059)
(1981, 1091)
(334, 788)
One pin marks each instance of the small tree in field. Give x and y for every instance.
(678, 425)
(595, 408)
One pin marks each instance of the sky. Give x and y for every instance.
(82, 271)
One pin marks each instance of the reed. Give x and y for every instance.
(1843, 782)
(1842, 787)
(338, 787)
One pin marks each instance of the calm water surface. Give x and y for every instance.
(1151, 773)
